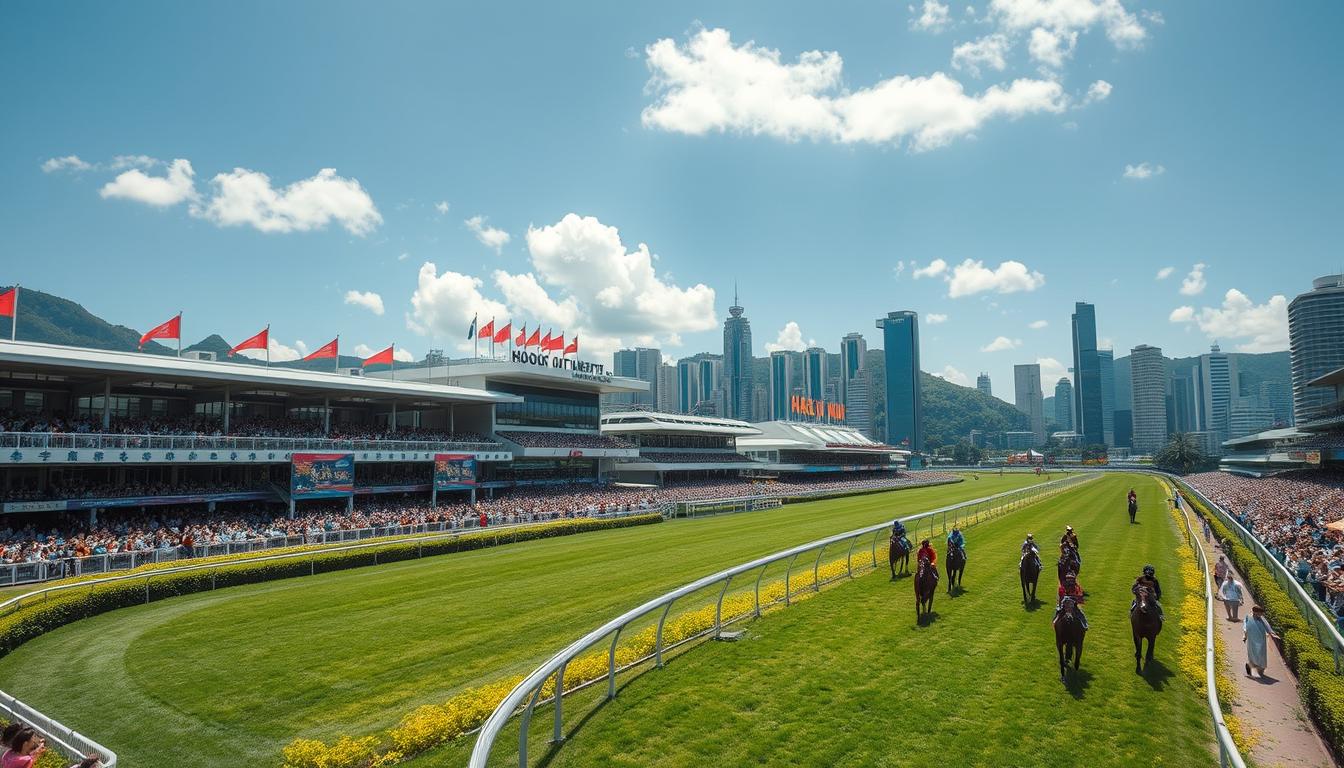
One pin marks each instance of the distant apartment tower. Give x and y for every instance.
(698, 381)
(858, 407)
(1217, 390)
(1315, 343)
(1248, 417)
(875, 377)
(1148, 374)
(982, 384)
(903, 396)
(814, 373)
(1183, 413)
(640, 363)
(667, 388)
(738, 382)
(1087, 405)
(1028, 396)
(781, 385)
(1277, 395)
(1064, 404)
(1106, 369)
(852, 351)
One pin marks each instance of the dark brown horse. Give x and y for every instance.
(1069, 562)
(1029, 571)
(1145, 623)
(926, 584)
(956, 566)
(1068, 636)
(1133, 509)
(899, 551)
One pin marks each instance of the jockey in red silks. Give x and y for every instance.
(1071, 588)
(926, 550)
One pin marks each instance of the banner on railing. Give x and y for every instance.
(322, 475)
(454, 470)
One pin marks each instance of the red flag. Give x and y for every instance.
(260, 341)
(169, 330)
(521, 339)
(545, 342)
(557, 343)
(487, 331)
(573, 348)
(382, 358)
(330, 349)
(502, 335)
(535, 339)
(7, 301)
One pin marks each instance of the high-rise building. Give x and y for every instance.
(1087, 411)
(1064, 404)
(1315, 343)
(738, 383)
(982, 384)
(1148, 374)
(688, 384)
(875, 376)
(814, 373)
(1248, 417)
(1217, 387)
(858, 410)
(1106, 368)
(852, 350)
(904, 398)
(1277, 395)
(640, 363)
(1028, 396)
(1184, 416)
(667, 388)
(781, 385)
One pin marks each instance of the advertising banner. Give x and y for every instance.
(322, 475)
(454, 471)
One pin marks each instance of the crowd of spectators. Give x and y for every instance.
(692, 457)
(1288, 513)
(563, 440)
(76, 488)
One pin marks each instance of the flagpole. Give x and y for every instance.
(394, 368)
(492, 337)
(475, 338)
(338, 353)
(268, 345)
(14, 321)
(179, 333)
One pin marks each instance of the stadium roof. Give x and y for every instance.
(1334, 378)
(79, 365)
(480, 372)
(806, 436)
(628, 422)
(1268, 436)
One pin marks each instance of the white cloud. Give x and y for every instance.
(989, 51)
(364, 350)
(366, 299)
(1051, 48)
(442, 207)
(1037, 325)
(933, 318)
(1164, 273)
(402, 355)
(489, 236)
(1122, 27)
(280, 353)
(898, 270)
(933, 17)
(1001, 344)
(1265, 326)
(1099, 90)
(711, 85)
(177, 186)
(1181, 315)
(971, 277)
(790, 339)
(1142, 171)
(934, 269)
(403, 256)
(527, 298)
(67, 163)
(953, 375)
(1051, 372)
(245, 197)
(1194, 283)
(444, 304)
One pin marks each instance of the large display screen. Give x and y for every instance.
(322, 475)
(454, 470)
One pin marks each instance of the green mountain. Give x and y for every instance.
(952, 411)
(54, 320)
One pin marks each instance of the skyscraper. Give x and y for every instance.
(852, 350)
(1184, 415)
(1087, 412)
(640, 363)
(1027, 393)
(781, 389)
(1064, 404)
(858, 411)
(738, 382)
(814, 373)
(1148, 372)
(688, 384)
(1315, 342)
(667, 388)
(1106, 367)
(904, 399)
(982, 384)
(1217, 390)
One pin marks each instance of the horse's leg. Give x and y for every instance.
(1152, 642)
(1138, 655)
(1063, 664)
(1078, 651)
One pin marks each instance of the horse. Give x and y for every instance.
(926, 584)
(1133, 510)
(956, 566)
(898, 551)
(1069, 562)
(1068, 637)
(1029, 572)
(1145, 623)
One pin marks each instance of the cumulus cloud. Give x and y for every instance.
(67, 163)
(246, 197)
(1051, 47)
(709, 84)
(526, 297)
(971, 277)
(444, 304)
(1181, 315)
(1099, 90)
(933, 17)
(1164, 273)
(989, 52)
(1143, 171)
(366, 299)
(1051, 372)
(1001, 344)
(178, 185)
(280, 353)
(442, 207)
(1037, 325)
(954, 376)
(1123, 28)
(1194, 283)
(489, 236)
(790, 339)
(403, 355)
(898, 270)
(933, 269)
(400, 354)
(933, 318)
(1263, 326)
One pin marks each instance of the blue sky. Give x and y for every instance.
(821, 184)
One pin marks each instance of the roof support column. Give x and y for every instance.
(227, 408)
(393, 424)
(326, 416)
(107, 403)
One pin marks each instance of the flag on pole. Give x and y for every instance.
(573, 348)
(169, 330)
(522, 337)
(382, 358)
(9, 307)
(260, 341)
(471, 331)
(557, 343)
(545, 342)
(487, 331)
(506, 330)
(330, 349)
(534, 340)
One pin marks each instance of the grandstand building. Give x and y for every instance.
(672, 446)
(785, 447)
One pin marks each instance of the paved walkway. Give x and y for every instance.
(1269, 708)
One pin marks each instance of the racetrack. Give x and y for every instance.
(230, 677)
(849, 679)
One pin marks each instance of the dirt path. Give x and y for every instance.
(1269, 708)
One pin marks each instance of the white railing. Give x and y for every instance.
(696, 507)
(72, 744)
(1228, 754)
(116, 442)
(526, 695)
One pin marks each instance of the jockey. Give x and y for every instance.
(926, 550)
(1029, 548)
(898, 533)
(1133, 497)
(1149, 580)
(955, 539)
(1071, 539)
(1071, 588)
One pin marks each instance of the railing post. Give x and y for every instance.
(787, 573)
(522, 730)
(876, 536)
(849, 557)
(557, 736)
(658, 643)
(611, 664)
(718, 608)
(759, 576)
(816, 570)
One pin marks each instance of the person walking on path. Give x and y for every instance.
(1219, 572)
(1256, 633)
(1232, 595)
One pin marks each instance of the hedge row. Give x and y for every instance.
(61, 608)
(1321, 690)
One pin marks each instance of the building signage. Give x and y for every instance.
(817, 409)
(322, 475)
(1312, 457)
(561, 363)
(454, 470)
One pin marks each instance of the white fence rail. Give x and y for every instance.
(525, 697)
(71, 744)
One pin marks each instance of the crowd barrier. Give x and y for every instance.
(72, 745)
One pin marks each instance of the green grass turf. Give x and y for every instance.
(230, 677)
(849, 679)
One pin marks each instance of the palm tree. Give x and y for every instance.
(1181, 454)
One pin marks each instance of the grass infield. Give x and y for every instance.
(230, 677)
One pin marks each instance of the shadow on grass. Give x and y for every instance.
(1265, 680)
(958, 591)
(1077, 681)
(1034, 605)
(926, 619)
(1156, 674)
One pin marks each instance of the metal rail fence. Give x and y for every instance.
(525, 697)
(71, 744)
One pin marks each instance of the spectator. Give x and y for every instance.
(1255, 634)
(1220, 570)
(1231, 594)
(25, 748)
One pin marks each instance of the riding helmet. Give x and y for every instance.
(1148, 569)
